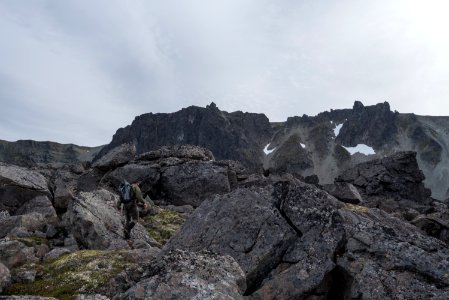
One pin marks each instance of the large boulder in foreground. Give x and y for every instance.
(185, 275)
(295, 241)
(386, 258)
(274, 233)
(95, 222)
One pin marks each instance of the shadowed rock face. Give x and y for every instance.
(237, 136)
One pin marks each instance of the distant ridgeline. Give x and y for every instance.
(29, 153)
(324, 145)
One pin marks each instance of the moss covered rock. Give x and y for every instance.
(164, 224)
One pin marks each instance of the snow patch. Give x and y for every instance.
(268, 151)
(361, 148)
(302, 145)
(337, 129)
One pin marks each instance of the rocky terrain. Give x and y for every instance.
(239, 208)
(218, 230)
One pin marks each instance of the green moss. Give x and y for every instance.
(163, 225)
(79, 272)
(31, 241)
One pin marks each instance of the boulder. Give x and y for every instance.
(39, 204)
(18, 186)
(192, 182)
(14, 253)
(26, 298)
(188, 152)
(245, 224)
(32, 222)
(183, 275)
(344, 192)
(56, 253)
(396, 176)
(61, 195)
(148, 175)
(116, 157)
(387, 258)
(5, 277)
(95, 222)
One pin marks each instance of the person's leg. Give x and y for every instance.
(128, 221)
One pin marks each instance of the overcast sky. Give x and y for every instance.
(75, 71)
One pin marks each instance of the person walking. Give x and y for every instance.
(130, 197)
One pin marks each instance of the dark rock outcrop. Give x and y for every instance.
(184, 275)
(385, 182)
(344, 191)
(236, 136)
(370, 125)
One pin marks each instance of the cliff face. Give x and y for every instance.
(238, 136)
(29, 153)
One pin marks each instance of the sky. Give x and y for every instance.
(75, 71)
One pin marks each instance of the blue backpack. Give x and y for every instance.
(126, 192)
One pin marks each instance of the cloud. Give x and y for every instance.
(75, 71)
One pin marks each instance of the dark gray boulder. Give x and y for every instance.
(148, 175)
(116, 157)
(343, 191)
(192, 182)
(184, 275)
(386, 258)
(245, 224)
(386, 182)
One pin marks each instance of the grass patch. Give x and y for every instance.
(163, 225)
(356, 208)
(65, 277)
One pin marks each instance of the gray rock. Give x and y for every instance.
(95, 222)
(184, 275)
(18, 186)
(70, 243)
(396, 176)
(24, 276)
(387, 258)
(5, 277)
(343, 191)
(116, 157)
(62, 195)
(11, 175)
(148, 175)
(56, 252)
(245, 224)
(21, 226)
(91, 297)
(192, 182)
(189, 152)
(41, 250)
(39, 204)
(14, 254)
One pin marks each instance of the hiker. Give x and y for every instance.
(130, 197)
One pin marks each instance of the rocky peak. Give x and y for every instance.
(371, 125)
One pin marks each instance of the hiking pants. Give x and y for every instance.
(132, 216)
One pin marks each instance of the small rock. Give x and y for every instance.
(5, 277)
(55, 253)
